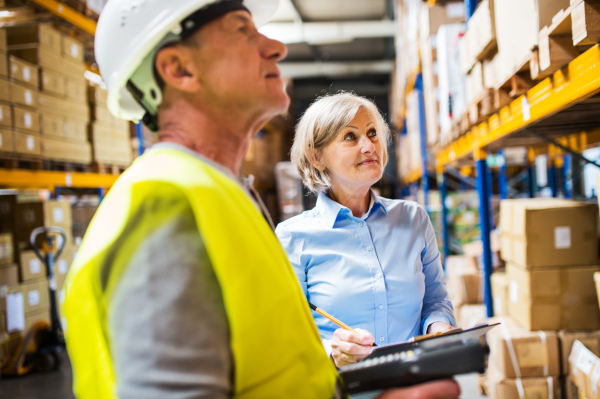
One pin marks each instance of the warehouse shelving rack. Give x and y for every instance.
(561, 113)
(53, 180)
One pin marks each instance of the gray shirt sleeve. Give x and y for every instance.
(168, 328)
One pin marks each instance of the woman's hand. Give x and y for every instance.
(439, 326)
(348, 347)
(444, 389)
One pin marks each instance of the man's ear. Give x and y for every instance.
(175, 67)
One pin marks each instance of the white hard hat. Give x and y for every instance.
(130, 33)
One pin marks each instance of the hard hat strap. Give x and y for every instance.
(207, 14)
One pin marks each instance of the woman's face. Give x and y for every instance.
(354, 158)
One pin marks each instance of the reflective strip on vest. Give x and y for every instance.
(277, 351)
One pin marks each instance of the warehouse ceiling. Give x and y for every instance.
(333, 43)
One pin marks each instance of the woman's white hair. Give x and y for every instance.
(320, 125)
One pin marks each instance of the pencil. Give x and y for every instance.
(330, 317)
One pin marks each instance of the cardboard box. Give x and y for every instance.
(32, 268)
(97, 95)
(536, 352)
(28, 216)
(471, 315)
(3, 43)
(7, 141)
(590, 339)
(102, 116)
(75, 129)
(41, 56)
(72, 48)
(52, 125)
(570, 388)
(533, 388)
(464, 280)
(76, 88)
(41, 34)
(36, 295)
(27, 144)
(597, 284)
(67, 150)
(33, 317)
(4, 90)
(23, 71)
(5, 291)
(554, 299)
(53, 82)
(26, 119)
(23, 95)
(6, 118)
(9, 277)
(549, 232)
(500, 283)
(480, 39)
(6, 249)
(585, 366)
(72, 68)
(58, 213)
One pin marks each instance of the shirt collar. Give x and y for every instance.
(330, 210)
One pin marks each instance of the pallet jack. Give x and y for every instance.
(42, 345)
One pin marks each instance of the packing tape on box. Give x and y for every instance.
(543, 338)
(513, 358)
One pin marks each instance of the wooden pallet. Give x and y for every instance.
(105, 168)
(10, 160)
(572, 31)
(66, 166)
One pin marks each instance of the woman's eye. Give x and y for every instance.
(349, 137)
(372, 133)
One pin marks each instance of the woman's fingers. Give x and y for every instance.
(349, 347)
(444, 389)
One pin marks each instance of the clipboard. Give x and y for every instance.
(431, 340)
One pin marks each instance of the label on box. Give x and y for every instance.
(562, 237)
(33, 297)
(26, 74)
(595, 377)
(585, 361)
(3, 291)
(525, 108)
(455, 10)
(35, 266)
(28, 97)
(63, 266)
(28, 120)
(532, 354)
(536, 392)
(74, 51)
(497, 305)
(513, 292)
(15, 312)
(58, 215)
(0, 141)
(30, 143)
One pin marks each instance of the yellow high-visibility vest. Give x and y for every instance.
(276, 348)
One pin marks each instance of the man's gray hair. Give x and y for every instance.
(320, 125)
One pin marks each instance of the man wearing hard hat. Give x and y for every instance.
(180, 288)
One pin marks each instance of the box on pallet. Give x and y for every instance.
(464, 280)
(27, 144)
(26, 119)
(7, 141)
(9, 278)
(6, 118)
(52, 82)
(468, 316)
(500, 283)
(532, 388)
(536, 353)
(42, 34)
(23, 71)
(32, 267)
(585, 370)
(590, 339)
(554, 298)
(6, 249)
(480, 38)
(547, 232)
(23, 95)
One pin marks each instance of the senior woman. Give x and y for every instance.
(371, 262)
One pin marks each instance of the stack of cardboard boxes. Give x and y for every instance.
(23, 276)
(109, 135)
(550, 248)
(47, 73)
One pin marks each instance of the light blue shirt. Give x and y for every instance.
(381, 272)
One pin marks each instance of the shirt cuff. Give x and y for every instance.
(435, 317)
(327, 345)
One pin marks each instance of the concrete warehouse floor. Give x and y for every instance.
(57, 385)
